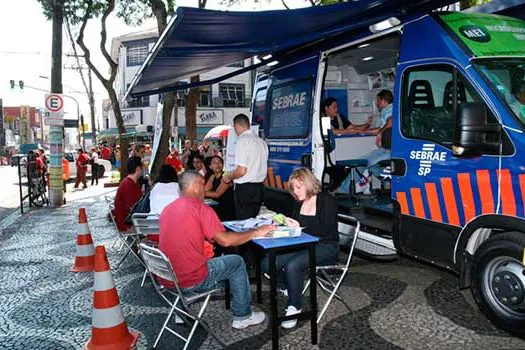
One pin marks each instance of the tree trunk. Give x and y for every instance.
(92, 109)
(123, 141)
(161, 15)
(192, 102)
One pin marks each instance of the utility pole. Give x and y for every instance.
(92, 109)
(56, 134)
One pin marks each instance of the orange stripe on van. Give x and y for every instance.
(278, 182)
(417, 202)
(450, 201)
(433, 202)
(485, 191)
(403, 203)
(271, 178)
(508, 203)
(522, 186)
(467, 199)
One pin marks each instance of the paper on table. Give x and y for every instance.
(255, 222)
(284, 232)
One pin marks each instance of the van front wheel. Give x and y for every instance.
(498, 280)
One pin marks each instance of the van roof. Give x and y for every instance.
(197, 40)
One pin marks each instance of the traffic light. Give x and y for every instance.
(12, 82)
(21, 85)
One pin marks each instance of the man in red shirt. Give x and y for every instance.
(185, 225)
(105, 152)
(82, 165)
(128, 193)
(174, 160)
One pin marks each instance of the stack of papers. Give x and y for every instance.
(255, 222)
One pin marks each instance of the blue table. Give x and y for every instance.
(272, 247)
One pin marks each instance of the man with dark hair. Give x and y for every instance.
(128, 193)
(198, 165)
(251, 157)
(185, 226)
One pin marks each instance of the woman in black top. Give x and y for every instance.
(220, 191)
(316, 211)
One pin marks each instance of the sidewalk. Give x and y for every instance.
(401, 305)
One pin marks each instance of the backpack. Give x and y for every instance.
(142, 206)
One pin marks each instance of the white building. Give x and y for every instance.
(218, 103)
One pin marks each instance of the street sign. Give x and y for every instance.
(54, 103)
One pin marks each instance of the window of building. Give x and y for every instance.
(136, 54)
(232, 95)
(205, 99)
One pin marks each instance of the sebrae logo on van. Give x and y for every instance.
(426, 156)
(475, 33)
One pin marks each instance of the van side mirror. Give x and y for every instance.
(473, 136)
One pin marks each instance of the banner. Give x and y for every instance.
(488, 35)
(158, 133)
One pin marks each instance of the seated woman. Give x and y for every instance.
(340, 124)
(220, 191)
(316, 211)
(165, 190)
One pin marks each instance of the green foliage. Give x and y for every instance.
(134, 12)
(75, 10)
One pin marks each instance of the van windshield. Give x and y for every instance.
(507, 77)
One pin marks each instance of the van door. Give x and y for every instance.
(436, 192)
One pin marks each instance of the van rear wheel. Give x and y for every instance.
(498, 280)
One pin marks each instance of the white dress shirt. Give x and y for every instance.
(161, 195)
(251, 152)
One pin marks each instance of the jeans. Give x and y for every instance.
(292, 267)
(231, 268)
(373, 158)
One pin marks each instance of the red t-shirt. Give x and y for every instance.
(82, 160)
(128, 194)
(175, 162)
(185, 225)
(105, 152)
(39, 165)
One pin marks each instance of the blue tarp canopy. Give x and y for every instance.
(197, 41)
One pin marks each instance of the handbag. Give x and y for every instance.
(142, 206)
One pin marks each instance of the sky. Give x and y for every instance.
(25, 53)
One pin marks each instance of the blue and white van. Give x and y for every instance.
(455, 192)
(457, 180)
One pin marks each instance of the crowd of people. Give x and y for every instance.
(189, 227)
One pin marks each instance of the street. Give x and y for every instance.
(396, 305)
(9, 195)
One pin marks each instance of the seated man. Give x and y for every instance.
(128, 193)
(340, 124)
(185, 225)
(384, 100)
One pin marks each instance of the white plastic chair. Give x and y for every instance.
(146, 224)
(330, 282)
(158, 265)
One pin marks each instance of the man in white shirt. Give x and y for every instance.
(94, 166)
(251, 158)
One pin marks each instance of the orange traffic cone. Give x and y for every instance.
(85, 256)
(109, 329)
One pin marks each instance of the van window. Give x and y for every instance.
(428, 103)
(259, 110)
(290, 106)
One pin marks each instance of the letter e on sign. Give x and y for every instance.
(54, 103)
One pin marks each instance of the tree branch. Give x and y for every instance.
(87, 53)
(284, 3)
(74, 46)
(103, 37)
(312, 2)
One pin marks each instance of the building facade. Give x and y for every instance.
(22, 124)
(218, 103)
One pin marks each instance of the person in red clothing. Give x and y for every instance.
(105, 152)
(185, 224)
(128, 193)
(174, 160)
(82, 165)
